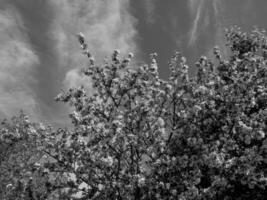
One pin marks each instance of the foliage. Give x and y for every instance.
(141, 137)
(20, 154)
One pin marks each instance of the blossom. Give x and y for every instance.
(261, 134)
(161, 122)
(100, 186)
(183, 60)
(130, 55)
(116, 52)
(141, 181)
(109, 160)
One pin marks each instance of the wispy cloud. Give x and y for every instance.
(150, 7)
(17, 63)
(196, 10)
(216, 6)
(201, 14)
(106, 26)
(40, 54)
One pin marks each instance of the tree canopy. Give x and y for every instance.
(141, 137)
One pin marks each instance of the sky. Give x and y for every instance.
(40, 54)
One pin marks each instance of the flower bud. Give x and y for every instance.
(161, 122)
(183, 60)
(116, 52)
(92, 60)
(126, 60)
(81, 38)
(130, 55)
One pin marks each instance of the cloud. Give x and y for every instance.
(150, 7)
(216, 5)
(17, 62)
(106, 25)
(199, 9)
(40, 53)
(195, 7)
(74, 78)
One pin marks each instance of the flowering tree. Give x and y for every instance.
(140, 137)
(20, 154)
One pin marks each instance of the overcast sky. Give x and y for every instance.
(40, 55)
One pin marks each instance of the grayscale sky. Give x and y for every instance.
(40, 55)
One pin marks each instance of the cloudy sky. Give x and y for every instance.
(40, 55)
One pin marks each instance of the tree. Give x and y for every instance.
(20, 154)
(140, 137)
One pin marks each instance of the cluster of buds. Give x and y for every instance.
(85, 48)
(184, 68)
(201, 64)
(217, 52)
(153, 57)
(203, 60)
(115, 56)
(183, 60)
(153, 66)
(173, 65)
(127, 60)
